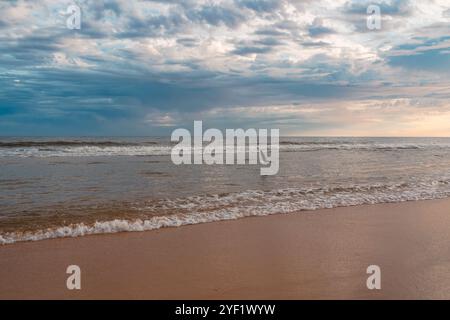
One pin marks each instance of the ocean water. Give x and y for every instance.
(66, 187)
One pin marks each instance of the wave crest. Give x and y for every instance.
(211, 208)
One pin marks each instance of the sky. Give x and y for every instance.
(147, 67)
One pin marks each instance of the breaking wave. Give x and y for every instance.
(219, 207)
(151, 148)
(69, 143)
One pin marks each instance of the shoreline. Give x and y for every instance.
(320, 254)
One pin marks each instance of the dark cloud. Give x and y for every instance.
(317, 29)
(188, 42)
(101, 8)
(28, 50)
(52, 97)
(315, 44)
(269, 41)
(271, 32)
(245, 50)
(260, 5)
(261, 45)
(216, 15)
(161, 25)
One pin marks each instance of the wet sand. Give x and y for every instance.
(309, 255)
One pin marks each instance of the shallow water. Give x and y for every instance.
(74, 186)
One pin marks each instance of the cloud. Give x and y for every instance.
(260, 5)
(317, 28)
(216, 15)
(387, 7)
(144, 66)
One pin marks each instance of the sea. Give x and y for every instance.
(77, 186)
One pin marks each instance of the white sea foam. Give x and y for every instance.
(85, 151)
(210, 208)
(161, 149)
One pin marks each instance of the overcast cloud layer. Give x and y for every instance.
(146, 67)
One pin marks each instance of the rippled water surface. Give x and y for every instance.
(75, 186)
